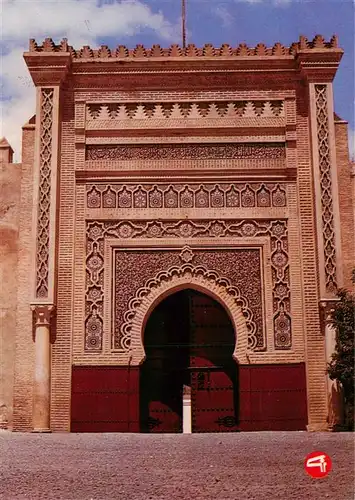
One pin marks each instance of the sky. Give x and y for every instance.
(129, 22)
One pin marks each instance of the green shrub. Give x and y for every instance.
(341, 367)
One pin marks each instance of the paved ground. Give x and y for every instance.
(173, 467)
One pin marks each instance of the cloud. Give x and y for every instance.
(227, 18)
(281, 3)
(270, 2)
(83, 22)
(223, 13)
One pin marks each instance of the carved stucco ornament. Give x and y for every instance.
(276, 230)
(186, 254)
(325, 167)
(177, 278)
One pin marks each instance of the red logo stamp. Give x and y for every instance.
(318, 464)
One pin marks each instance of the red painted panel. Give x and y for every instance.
(100, 378)
(163, 418)
(105, 399)
(160, 401)
(271, 377)
(192, 348)
(100, 427)
(272, 397)
(213, 401)
(214, 383)
(103, 407)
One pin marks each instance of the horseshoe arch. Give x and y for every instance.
(179, 278)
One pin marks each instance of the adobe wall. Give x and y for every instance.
(24, 345)
(10, 181)
(346, 200)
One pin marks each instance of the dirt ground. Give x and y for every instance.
(239, 466)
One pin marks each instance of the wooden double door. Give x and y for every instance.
(189, 341)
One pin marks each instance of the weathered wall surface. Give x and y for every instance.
(10, 181)
(24, 345)
(346, 201)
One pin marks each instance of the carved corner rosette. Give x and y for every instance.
(97, 231)
(186, 255)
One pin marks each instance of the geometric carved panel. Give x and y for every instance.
(169, 196)
(326, 188)
(183, 110)
(44, 194)
(97, 231)
(242, 268)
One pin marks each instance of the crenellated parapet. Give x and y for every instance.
(50, 63)
(208, 50)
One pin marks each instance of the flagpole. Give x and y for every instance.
(183, 23)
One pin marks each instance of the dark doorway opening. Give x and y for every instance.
(189, 341)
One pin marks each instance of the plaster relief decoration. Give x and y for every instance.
(222, 151)
(184, 110)
(208, 278)
(43, 216)
(211, 195)
(186, 254)
(135, 268)
(276, 230)
(326, 188)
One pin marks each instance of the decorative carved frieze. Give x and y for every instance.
(326, 188)
(255, 136)
(183, 110)
(170, 196)
(207, 51)
(185, 151)
(44, 193)
(98, 231)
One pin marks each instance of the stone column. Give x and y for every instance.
(317, 71)
(42, 372)
(334, 396)
(48, 73)
(186, 410)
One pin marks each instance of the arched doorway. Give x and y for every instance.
(189, 342)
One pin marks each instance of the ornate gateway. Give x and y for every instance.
(185, 228)
(189, 343)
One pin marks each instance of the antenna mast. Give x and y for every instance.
(183, 23)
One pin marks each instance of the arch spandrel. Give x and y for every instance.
(179, 278)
